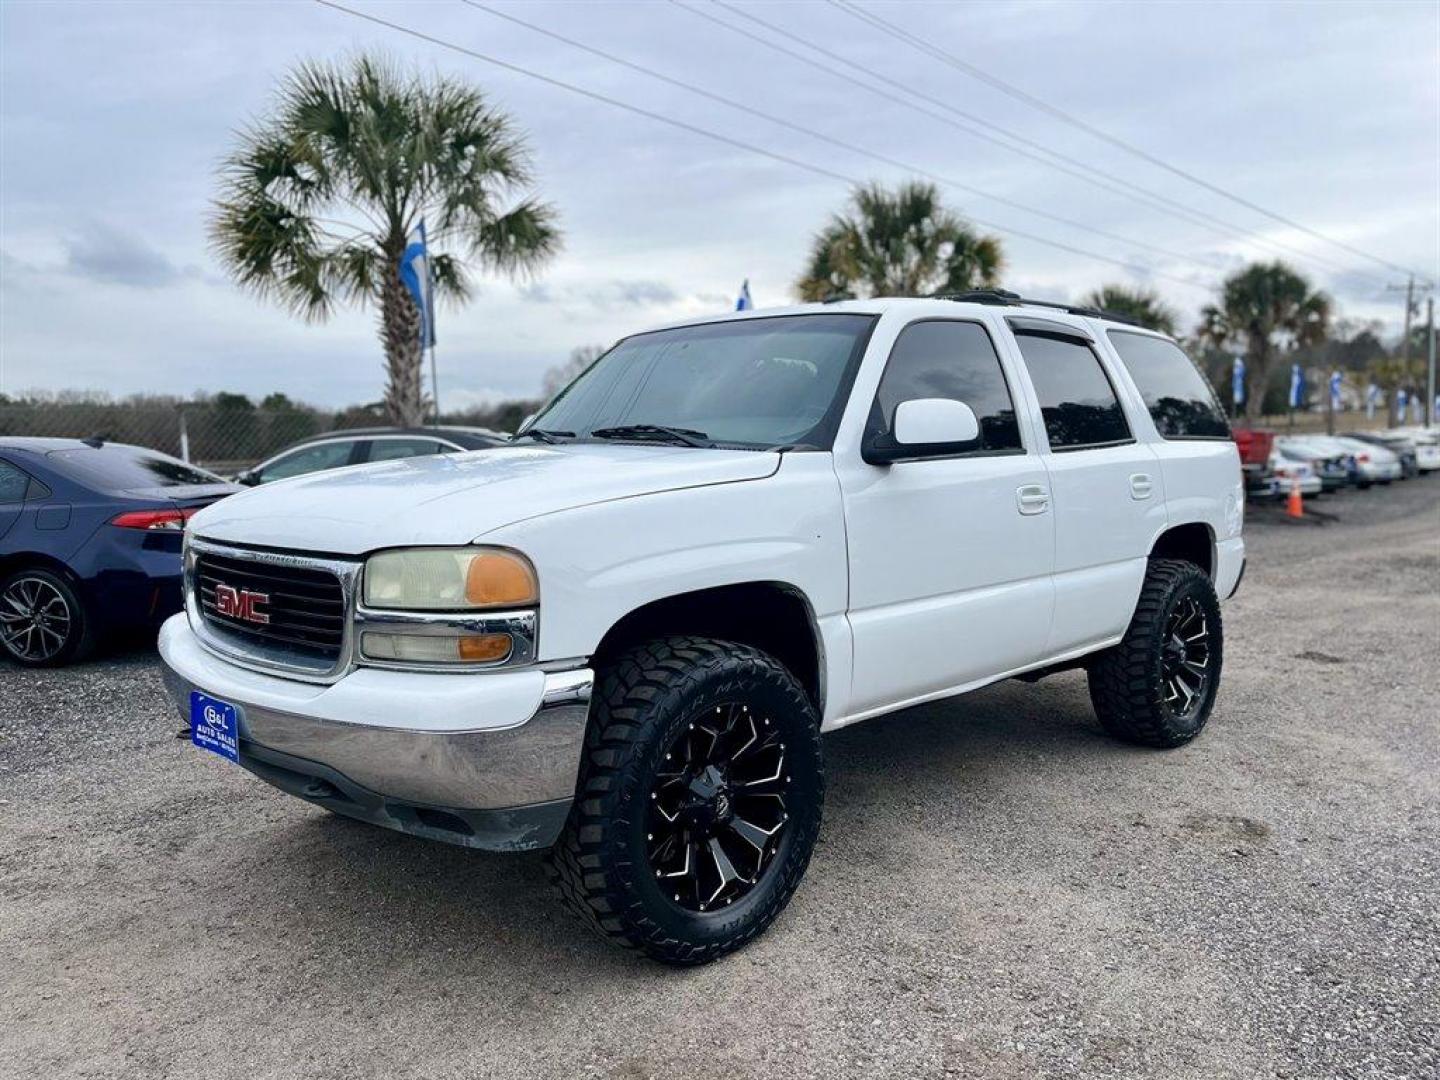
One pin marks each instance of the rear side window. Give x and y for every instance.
(1077, 401)
(1180, 401)
(125, 468)
(956, 360)
(393, 449)
(13, 484)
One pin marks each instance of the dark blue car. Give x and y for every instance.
(90, 542)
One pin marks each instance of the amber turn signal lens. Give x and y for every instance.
(483, 647)
(495, 579)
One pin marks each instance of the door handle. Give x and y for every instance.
(1141, 486)
(1032, 498)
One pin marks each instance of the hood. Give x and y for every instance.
(449, 499)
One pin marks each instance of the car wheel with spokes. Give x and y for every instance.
(1157, 687)
(699, 799)
(42, 621)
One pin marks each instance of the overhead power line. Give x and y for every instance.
(1078, 168)
(695, 129)
(1009, 89)
(833, 141)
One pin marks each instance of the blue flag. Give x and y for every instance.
(745, 303)
(1401, 400)
(1336, 381)
(1297, 386)
(1237, 381)
(415, 275)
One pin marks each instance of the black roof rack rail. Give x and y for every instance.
(1006, 298)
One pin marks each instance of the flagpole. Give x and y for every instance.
(434, 384)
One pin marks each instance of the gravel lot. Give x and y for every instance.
(999, 890)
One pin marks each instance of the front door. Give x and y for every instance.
(951, 555)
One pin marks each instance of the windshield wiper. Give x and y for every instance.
(550, 438)
(684, 436)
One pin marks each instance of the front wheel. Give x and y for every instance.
(699, 799)
(1157, 687)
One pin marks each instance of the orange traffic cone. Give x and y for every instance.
(1295, 507)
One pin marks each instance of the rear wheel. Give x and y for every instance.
(699, 799)
(1157, 687)
(42, 621)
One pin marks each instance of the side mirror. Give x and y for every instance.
(924, 427)
(247, 478)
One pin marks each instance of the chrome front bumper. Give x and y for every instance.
(484, 760)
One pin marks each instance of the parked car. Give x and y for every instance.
(1376, 464)
(1294, 469)
(361, 446)
(90, 542)
(624, 634)
(1401, 447)
(1255, 445)
(1334, 469)
(1427, 447)
(1407, 446)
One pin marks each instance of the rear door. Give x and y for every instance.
(1107, 489)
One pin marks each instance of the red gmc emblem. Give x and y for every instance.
(241, 604)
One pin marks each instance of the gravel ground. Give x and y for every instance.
(999, 891)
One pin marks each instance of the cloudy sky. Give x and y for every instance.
(113, 116)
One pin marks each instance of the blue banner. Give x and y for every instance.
(415, 275)
(744, 303)
(1297, 387)
(1237, 381)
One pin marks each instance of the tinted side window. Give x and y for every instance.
(1181, 402)
(957, 360)
(13, 484)
(1076, 398)
(329, 455)
(392, 449)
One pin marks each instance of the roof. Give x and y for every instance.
(36, 444)
(969, 303)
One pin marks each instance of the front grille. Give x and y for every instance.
(305, 607)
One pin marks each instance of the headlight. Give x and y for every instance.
(449, 579)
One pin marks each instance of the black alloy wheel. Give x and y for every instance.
(698, 802)
(1158, 685)
(1185, 658)
(718, 810)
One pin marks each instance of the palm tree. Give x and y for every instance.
(318, 200)
(1266, 309)
(901, 243)
(1144, 306)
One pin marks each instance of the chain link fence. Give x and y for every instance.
(226, 434)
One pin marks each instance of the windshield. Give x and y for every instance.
(124, 468)
(752, 383)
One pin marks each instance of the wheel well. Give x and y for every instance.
(1192, 542)
(26, 560)
(767, 615)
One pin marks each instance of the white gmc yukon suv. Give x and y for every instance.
(623, 635)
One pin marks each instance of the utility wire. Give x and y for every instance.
(1034, 102)
(841, 143)
(638, 110)
(1083, 170)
